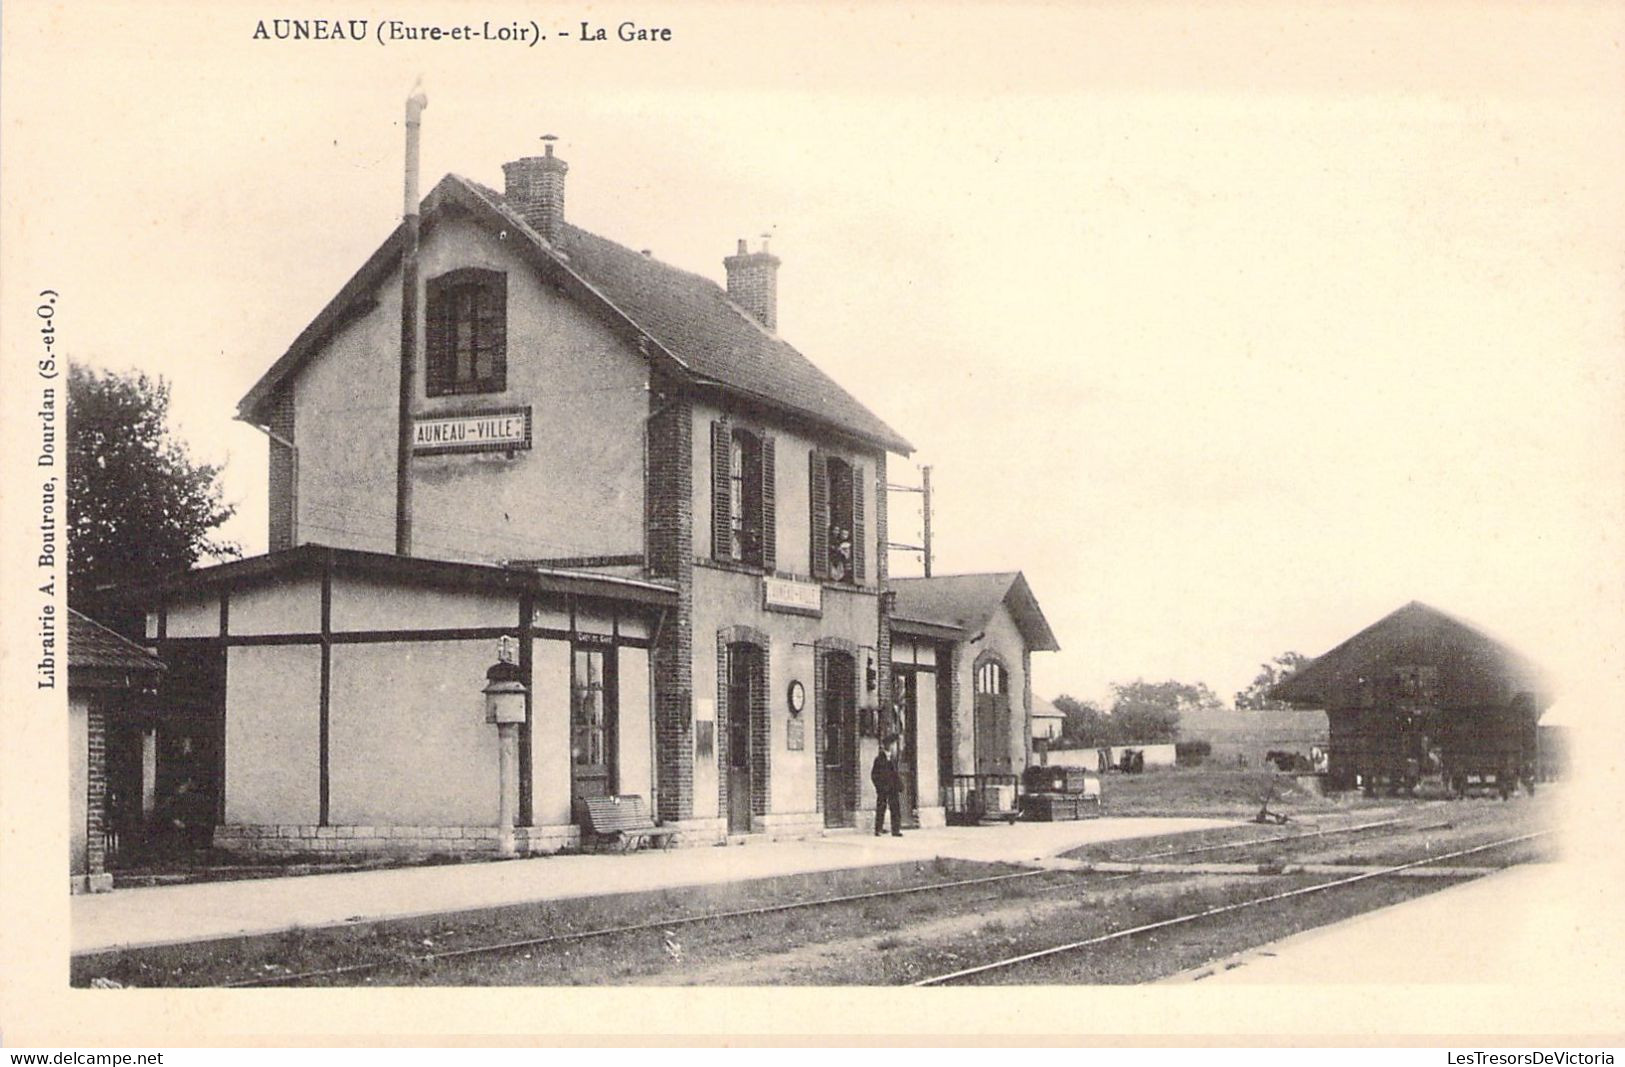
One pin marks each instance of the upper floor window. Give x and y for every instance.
(466, 347)
(745, 497)
(837, 518)
(742, 510)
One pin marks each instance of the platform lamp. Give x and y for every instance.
(505, 707)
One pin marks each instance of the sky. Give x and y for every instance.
(1234, 328)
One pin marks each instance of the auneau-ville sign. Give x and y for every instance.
(504, 430)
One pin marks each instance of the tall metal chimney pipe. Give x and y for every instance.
(409, 326)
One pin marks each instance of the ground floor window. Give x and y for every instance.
(592, 722)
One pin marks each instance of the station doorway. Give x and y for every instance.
(840, 713)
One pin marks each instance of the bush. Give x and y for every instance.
(1191, 753)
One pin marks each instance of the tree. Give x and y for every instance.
(138, 506)
(1149, 712)
(1086, 726)
(1256, 696)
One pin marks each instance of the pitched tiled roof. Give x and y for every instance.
(1474, 670)
(1045, 709)
(966, 601)
(92, 645)
(688, 316)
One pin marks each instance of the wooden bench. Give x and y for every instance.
(622, 819)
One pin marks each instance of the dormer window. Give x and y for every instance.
(466, 347)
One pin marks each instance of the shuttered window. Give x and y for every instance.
(742, 510)
(466, 342)
(838, 527)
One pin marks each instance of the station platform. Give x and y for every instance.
(164, 915)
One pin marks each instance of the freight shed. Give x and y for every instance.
(1422, 692)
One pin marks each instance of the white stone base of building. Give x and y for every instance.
(931, 818)
(791, 826)
(543, 840)
(699, 831)
(90, 883)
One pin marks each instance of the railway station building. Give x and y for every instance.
(1420, 692)
(678, 519)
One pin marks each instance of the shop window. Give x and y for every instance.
(466, 347)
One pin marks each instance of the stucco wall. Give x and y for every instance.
(195, 617)
(1001, 637)
(366, 604)
(273, 724)
(293, 605)
(723, 599)
(925, 728)
(791, 493)
(636, 721)
(577, 491)
(78, 778)
(409, 742)
(550, 733)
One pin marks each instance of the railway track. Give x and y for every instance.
(1196, 916)
(1079, 879)
(354, 969)
(1412, 823)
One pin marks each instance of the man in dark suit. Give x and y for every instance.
(888, 787)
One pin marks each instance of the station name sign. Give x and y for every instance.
(505, 430)
(792, 597)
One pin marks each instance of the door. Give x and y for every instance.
(744, 679)
(592, 723)
(908, 704)
(840, 713)
(992, 710)
(125, 822)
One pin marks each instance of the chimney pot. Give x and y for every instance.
(753, 284)
(535, 189)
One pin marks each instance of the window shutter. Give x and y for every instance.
(769, 525)
(493, 331)
(818, 495)
(721, 527)
(857, 521)
(437, 340)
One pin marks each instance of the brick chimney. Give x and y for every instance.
(753, 283)
(535, 188)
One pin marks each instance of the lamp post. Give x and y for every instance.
(505, 707)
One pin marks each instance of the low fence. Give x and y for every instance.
(1107, 757)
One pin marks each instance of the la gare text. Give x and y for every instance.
(388, 31)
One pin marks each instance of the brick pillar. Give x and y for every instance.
(669, 498)
(883, 620)
(1027, 702)
(956, 701)
(284, 473)
(96, 784)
